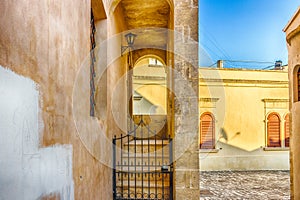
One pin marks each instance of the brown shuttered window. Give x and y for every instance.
(287, 130)
(273, 130)
(298, 83)
(207, 131)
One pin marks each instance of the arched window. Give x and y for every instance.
(207, 131)
(287, 130)
(149, 84)
(273, 130)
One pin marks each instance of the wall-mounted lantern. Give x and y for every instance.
(130, 38)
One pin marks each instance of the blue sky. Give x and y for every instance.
(244, 30)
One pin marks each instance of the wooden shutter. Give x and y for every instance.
(273, 130)
(298, 83)
(287, 130)
(207, 131)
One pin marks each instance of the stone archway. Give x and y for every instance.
(112, 4)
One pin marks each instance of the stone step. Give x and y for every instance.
(151, 142)
(140, 193)
(146, 150)
(139, 159)
(144, 184)
(144, 168)
(145, 146)
(140, 168)
(143, 177)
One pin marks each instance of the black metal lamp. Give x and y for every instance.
(130, 37)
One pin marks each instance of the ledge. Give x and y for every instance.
(209, 150)
(276, 148)
(274, 100)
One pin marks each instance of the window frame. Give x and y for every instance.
(287, 130)
(213, 146)
(296, 83)
(268, 130)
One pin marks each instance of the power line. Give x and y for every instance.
(214, 42)
(246, 64)
(210, 50)
(250, 61)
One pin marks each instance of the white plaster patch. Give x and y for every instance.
(26, 171)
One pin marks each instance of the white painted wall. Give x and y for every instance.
(26, 171)
(230, 158)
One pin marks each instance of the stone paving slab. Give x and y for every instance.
(243, 185)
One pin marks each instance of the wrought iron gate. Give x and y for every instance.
(142, 165)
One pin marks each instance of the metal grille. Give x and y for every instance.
(142, 165)
(92, 66)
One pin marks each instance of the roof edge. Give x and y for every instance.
(292, 19)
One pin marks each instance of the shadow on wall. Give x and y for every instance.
(224, 135)
(227, 157)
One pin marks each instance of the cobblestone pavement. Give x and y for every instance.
(262, 185)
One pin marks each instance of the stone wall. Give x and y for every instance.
(186, 114)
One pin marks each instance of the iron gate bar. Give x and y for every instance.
(128, 177)
(171, 167)
(142, 150)
(134, 160)
(114, 169)
(144, 170)
(155, 166)
(148, 161)
(122, 178)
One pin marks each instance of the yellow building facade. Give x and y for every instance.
(244, 119)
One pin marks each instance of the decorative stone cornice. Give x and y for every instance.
(292, 28)
(292, 34)
(292, 20)
(276, 103)
(208, 102)
(275, 100)
(242, 81)
(209, 99)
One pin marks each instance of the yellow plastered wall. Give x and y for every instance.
(240, 100)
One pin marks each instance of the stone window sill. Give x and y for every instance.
(209, 150)
(276, 148)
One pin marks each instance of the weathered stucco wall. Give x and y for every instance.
(48, 41)
(292, 31)
(117, 100)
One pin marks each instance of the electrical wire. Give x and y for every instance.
(213, 41)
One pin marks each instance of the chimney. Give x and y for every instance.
(220, 64)
(278, 65)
